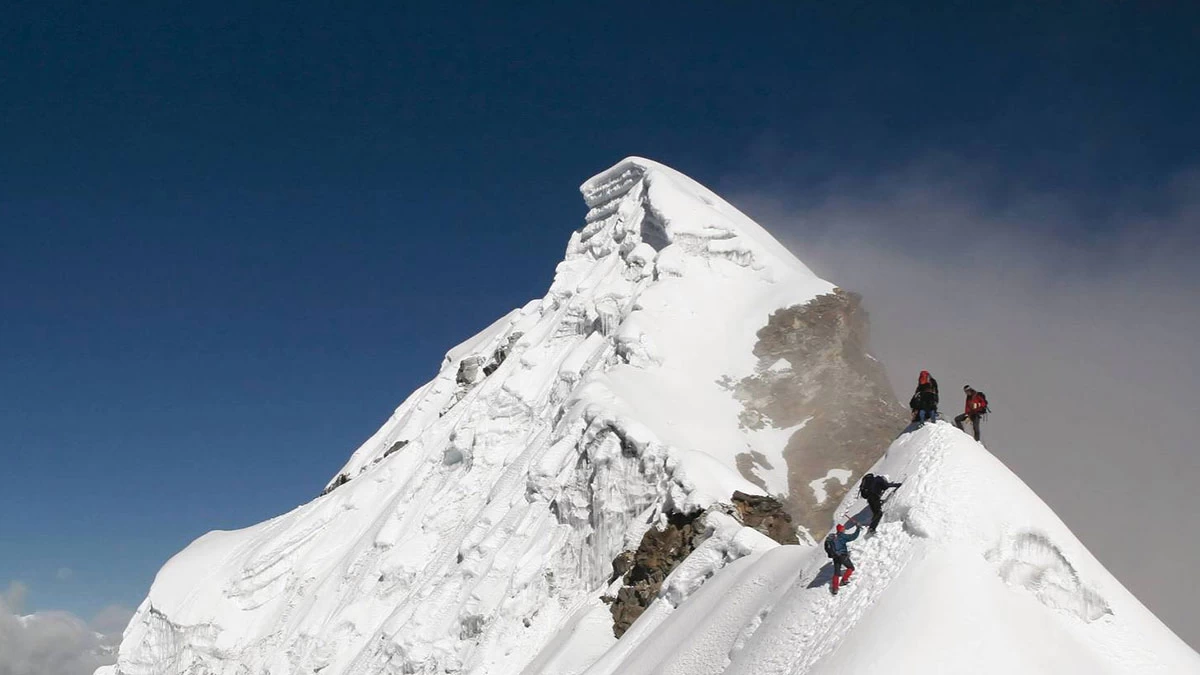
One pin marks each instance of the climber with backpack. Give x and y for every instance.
(976, 408)
(872, 488)
(839, 553)
(924, 401)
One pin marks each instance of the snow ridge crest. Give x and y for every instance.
(640, 207)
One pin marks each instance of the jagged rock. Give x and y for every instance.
(814, 366)
(505, 349)
(621, 564)
(646, 568)
(396, 447)
(470, 371)
(341, 480)
(766, 515)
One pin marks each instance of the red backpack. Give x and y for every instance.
(982, 403)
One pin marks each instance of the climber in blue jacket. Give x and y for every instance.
(836, 549)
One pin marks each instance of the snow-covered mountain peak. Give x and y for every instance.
(486, 513)
(658, 303)
(596, 461)
(656, 207)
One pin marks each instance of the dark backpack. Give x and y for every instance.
(830, 545)
(867, 484)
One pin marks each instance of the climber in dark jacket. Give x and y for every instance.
(835, 546)
(872, 488)
(924, 402)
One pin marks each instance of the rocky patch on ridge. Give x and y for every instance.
(643, 571)
(814, 369)
(766, 515)
(338, 482)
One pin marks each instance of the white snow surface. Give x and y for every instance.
(820, 494)
(477, 530)
(770, 442)
(970, 572)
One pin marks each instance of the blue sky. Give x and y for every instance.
(234, 238)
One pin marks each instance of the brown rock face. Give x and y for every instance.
(831, 381)
(644, 570)
(766, 515)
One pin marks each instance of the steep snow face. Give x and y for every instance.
(474, 532)
(969, 573)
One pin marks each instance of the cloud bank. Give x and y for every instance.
(1079, 320)
(56, 643)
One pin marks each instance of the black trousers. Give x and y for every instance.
(958, 422)
(840, 560)
(876, 504)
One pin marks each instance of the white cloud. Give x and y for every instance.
(64, 573)
(55, 643)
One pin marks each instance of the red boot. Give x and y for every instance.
(833, 585)
(846, 577)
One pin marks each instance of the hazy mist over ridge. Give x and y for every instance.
(1077, 317)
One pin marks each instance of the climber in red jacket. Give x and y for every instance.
(976, 407)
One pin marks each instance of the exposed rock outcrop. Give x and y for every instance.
(396, 447)
(338, 482)
(814, 369)
(766, 515)
(644, 570)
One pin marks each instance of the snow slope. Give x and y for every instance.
(475, 531)
(484, 515)
(969, 573)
